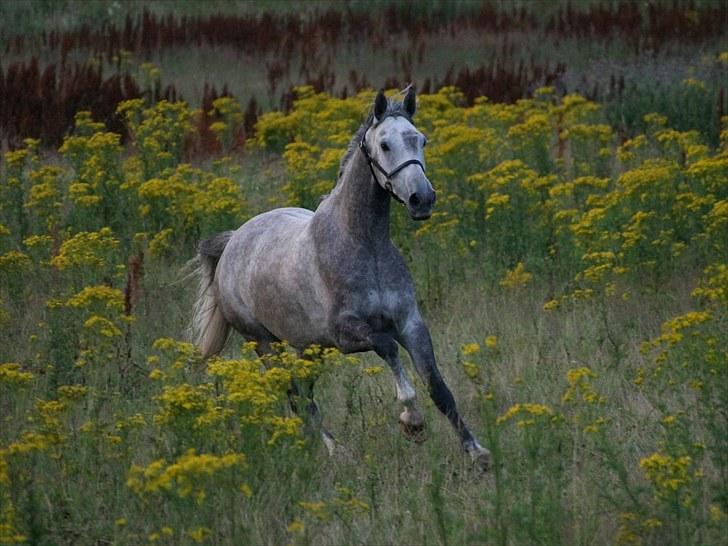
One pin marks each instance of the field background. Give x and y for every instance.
(574, 275)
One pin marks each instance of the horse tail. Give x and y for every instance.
(209, 328)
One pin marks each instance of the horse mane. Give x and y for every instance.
(394, 108)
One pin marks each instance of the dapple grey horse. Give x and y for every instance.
(333, 277)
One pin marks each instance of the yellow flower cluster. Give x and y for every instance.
(189, 475)
(517, 277)
(182, 201)
(11, 374)
(185, 402)
(227, 109)
(8, 530)
(101, 308)
(714, 287)
(343, 505)
(670, 476)
(87, 250)
(180, 354)
(580, 382)
(632, 528)
(526, 415)
(44, 198)
(95, 156)
(14, 260)
(158, 131)
(472, 369)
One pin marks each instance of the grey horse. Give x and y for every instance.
(333, 277)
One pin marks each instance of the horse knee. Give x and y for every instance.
(385, 346)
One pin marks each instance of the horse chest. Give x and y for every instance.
(381, 308)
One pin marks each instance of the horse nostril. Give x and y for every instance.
(414, 199)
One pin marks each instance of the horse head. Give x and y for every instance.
(395, 151)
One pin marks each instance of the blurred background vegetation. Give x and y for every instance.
(633, 57)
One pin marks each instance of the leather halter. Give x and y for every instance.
(387, 175)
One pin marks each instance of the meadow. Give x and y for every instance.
(574, 277)
(576, 289)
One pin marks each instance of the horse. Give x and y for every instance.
(333, 277)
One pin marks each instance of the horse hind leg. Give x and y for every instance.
(313, 419)
(411, 421)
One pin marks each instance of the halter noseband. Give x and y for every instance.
(387, 175)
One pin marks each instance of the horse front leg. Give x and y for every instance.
(355, 335)
(415, 337)
(411, 421)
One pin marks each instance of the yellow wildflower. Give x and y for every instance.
(517, 277)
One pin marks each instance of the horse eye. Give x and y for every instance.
(424, 142)
(384, 146)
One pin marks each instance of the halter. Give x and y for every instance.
(387, 175)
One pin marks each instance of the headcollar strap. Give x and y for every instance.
(387, 175)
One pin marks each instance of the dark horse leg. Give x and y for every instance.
(416, 339)
(311, 414)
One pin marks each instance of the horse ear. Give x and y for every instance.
(410, 101)
(380, 104)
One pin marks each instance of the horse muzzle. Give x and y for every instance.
(420, 203)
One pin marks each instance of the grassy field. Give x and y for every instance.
(574, 277)
(575, 290)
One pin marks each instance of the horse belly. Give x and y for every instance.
(279, 281)
(288, 306)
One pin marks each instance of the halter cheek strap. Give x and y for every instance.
(387, 175)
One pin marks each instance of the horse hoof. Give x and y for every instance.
(482, 459)
(479, 455)
(329, 442)
(412, 426)
(335, 449)
(415, 434)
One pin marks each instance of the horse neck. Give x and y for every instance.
(360, 204)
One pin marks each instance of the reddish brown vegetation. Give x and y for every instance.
(39, 100)
(645, 29)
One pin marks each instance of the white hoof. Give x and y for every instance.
(336, 449)
(329, 442)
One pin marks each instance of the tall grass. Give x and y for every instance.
(574, 285)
